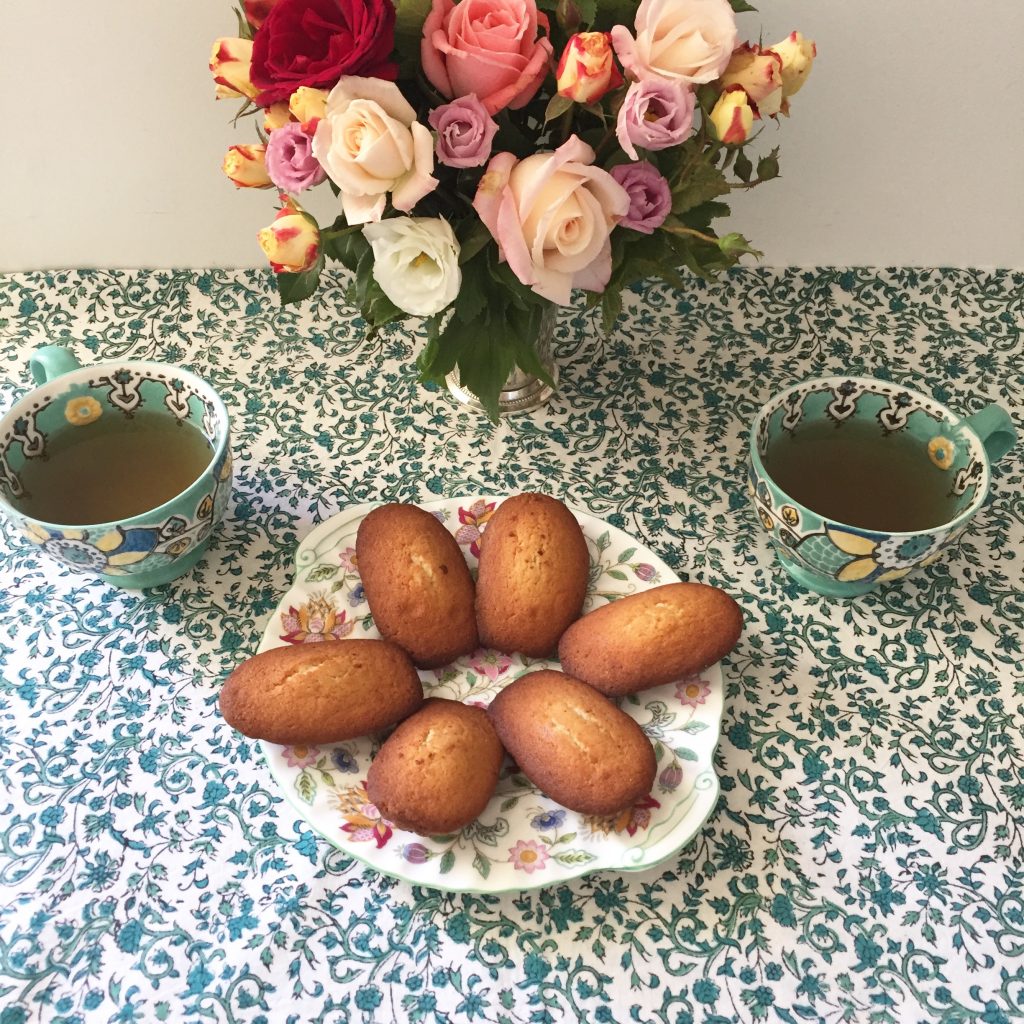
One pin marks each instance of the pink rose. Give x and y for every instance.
(486, 47)
(654, 115)
(551, 215)
(465, 132)
(679, 40)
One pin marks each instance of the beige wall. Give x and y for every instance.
(904, 148)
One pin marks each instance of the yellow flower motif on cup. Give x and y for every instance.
(881, 557)
(112, 553)
(766, 520)
(942, 452)
(790, 516)
(179, 547)
(82, 410)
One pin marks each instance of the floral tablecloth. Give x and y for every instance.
(865, 861)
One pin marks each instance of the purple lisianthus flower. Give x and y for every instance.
(290, 161)
(650, 198)
(465, 132)
(655, 114)
(416, 853)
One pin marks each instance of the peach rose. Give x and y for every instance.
(370, 143)
(681, 40)
(551, 215)
(487, 47)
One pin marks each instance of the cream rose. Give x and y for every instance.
(679, 40)
(551, 215)
(415, 262)
(370, 143)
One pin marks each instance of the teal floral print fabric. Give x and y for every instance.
(865, 858)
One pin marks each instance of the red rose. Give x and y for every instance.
(256, 11)
(315, 42)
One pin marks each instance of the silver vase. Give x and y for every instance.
(521, 391)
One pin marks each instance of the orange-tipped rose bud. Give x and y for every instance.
(276, 116)
(291, 242)
(307, 104)
(587, 69)
(230, 60)
(797, 55)
(246, 166)
(759, 73)
(733, 116)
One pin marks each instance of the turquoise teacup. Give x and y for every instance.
(146, 548)
(830, 556)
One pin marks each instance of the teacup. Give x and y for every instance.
(833, 557)
(146, 548)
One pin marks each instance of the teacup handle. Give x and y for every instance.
(51, 361)
(995, 429)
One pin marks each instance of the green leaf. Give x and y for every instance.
(409, 18)
(305, 786)
(447, 862)
(556, 107)
(741, 6)
(702, 182)
(321, 572)
(572, 858)
(695, 727)
(768, 166)
(482, 864)
(377, 309)
(734, 244)
(472, 298)
(347, 245)
(743, 168)
(296, 287)
(244, 28)
(473, 236)
(684, 753)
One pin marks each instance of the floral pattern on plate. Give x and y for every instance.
(523, 839)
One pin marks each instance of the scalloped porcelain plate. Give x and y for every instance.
(523, 840)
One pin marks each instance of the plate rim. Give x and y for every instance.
(706, 800)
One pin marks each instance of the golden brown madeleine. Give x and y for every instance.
(651, 638)
(533, 575)
(417, 584)
(573, 743)
(437, 770)
(321, 692)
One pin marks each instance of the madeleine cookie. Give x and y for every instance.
(651, 638)
(321, 692)
(438, 769)
(533, 575)
(573, 743)
(417, 584)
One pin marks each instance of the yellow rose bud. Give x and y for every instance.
(797, 55)
(586, 70)
(230, 60)
(276, 116)
(759, 74)
(307, 104)
(733, 116)
(291, 242)
(246, 166)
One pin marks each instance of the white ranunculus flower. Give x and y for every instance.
(416, 262)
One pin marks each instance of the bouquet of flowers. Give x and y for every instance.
(491, 156)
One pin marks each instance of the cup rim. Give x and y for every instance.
(71, 375)
(952, 417)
